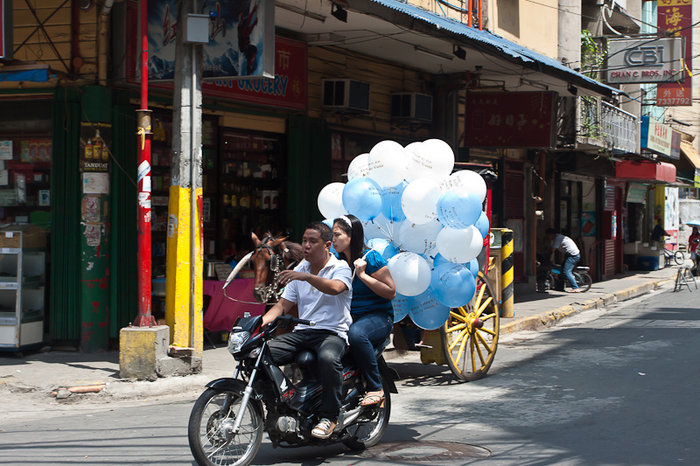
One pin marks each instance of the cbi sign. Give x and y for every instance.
(645, 60)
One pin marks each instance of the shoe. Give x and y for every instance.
(324, 428)
(372, 398)
(575, 290)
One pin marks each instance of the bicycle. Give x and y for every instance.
(676, 256)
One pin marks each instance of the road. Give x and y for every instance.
(617, 386)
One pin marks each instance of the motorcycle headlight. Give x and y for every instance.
(236, 341)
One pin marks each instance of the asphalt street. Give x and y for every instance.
(616, 386)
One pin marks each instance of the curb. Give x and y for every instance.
(550, 318)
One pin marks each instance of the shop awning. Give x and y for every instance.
(690, 154)
(34, 75)
(645, 170)
(486, 42)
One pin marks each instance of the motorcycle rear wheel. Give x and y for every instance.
(584, 281)
(208, 431)
(367, 434)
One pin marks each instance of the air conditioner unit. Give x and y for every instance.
(412, 106)
(346, 95)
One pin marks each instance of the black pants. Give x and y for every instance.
(329, 349)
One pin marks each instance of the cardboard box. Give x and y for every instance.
(24, 236)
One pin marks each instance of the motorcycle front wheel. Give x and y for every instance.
(370, 426)
(210, 430)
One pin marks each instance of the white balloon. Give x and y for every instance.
(433, 159)
(381, 227)
(358, 167)
(413, 171)
(467, 180)
(459, 245)
(330, 200)
(421, 239)
(419, 200)
(411, 273)
(388, 163)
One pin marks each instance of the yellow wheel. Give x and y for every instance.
(470, 335)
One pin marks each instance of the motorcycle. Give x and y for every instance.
(228, 419)
(550, 277)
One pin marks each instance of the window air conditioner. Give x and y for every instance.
(412, 106)
(346, 95)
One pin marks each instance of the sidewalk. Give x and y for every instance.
(79, 376)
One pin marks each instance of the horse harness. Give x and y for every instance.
(271, 292)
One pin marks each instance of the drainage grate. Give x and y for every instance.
(424, 452)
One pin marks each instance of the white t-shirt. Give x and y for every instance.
(330, 312)
(565, 244)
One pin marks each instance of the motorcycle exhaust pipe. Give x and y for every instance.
(348, 418)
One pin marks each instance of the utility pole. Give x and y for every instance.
(144, 317)
(184, 259)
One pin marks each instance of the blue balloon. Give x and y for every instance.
(362, 199)
(427, 312)
(328, 222)
(439, 259)
(401, 305)
(452, 284)
(473, 266)
(391, 202)
(384, 247)
(458, 209)
(482, 224)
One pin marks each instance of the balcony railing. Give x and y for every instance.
(587, 123)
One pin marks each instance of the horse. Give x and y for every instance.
(272, 254)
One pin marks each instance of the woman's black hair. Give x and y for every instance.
(357, 237)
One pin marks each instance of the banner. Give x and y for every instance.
(675, 16)
(241, 39)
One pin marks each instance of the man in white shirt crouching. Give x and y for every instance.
(321, 287)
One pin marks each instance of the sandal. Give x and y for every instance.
(324, 428)
(371, 399)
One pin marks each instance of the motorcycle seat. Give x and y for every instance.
(583, 268)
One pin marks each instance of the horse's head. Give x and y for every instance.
(271, 255)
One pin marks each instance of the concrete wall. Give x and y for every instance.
(531, 24)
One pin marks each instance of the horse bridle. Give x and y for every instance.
(271, 292)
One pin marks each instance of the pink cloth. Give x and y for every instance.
(222, 312)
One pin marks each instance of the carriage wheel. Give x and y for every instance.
(470, 335)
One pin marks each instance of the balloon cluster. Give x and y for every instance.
(426, 221)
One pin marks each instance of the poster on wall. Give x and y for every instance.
(95, 146)
(671, 209)
(588, 223)
(241, 39)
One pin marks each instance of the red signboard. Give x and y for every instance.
(287, 90)
(510, 119)
(675, 16)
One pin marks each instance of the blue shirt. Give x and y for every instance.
(365, 300)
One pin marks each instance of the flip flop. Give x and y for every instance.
(370, 400)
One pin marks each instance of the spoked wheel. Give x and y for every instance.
(583, 280)
(679, 257)
(470, 335)
(210, 430)
(370, 426)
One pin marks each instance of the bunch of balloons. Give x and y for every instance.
(426, 221)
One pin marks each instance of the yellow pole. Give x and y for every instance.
(507, 273)
(179, 271)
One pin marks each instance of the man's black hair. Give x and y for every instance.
(323, 229)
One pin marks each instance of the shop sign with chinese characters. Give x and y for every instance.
(510, 119)
(675, 17)
(656, 136)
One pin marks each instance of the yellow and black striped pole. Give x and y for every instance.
(507, 273)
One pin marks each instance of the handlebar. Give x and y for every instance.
(287, 321)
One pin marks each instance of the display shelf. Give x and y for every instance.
(22, 295)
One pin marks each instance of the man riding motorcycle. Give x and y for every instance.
(320, 286)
